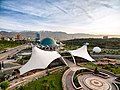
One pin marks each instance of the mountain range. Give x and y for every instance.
(55, 35)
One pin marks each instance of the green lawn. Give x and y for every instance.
(110, 68)
(52, 81)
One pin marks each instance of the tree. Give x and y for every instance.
(3, 64)
(96, 70)
(4, 85)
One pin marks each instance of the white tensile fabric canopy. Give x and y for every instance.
(40, 59)
(81, 52)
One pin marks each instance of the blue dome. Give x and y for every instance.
(48, 42)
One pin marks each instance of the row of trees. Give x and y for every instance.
(8, 44)
(111, 43)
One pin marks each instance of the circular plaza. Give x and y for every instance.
(90, 81)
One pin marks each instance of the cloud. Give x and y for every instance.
(86, 16)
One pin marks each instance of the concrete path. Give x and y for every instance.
(68, 81)
(68, 75)
(70, 64)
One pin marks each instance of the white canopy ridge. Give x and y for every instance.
(40, 59)
(81, 52)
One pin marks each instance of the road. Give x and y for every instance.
(10, 68)
(12, 51)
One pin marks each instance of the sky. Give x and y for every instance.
(71, 16)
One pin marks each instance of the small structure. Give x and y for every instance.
(96, 49)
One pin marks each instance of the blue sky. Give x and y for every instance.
(71, 16)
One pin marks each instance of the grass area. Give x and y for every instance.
(110, 68)
(50, 82)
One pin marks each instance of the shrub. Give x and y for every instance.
(4, 85)
(96, 71)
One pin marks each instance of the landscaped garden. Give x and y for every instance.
(24, 59)
(50, 82)
(113, 69)
(110, 68)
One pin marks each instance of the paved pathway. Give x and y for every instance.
(68, 81)
(67, 77)
(70, 64)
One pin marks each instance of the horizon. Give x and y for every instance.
(88, 17)
(61, 32)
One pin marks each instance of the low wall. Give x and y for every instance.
(63, 79)
(77, 88)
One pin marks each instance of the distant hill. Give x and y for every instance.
(55, 35)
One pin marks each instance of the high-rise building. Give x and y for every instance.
(37, 36)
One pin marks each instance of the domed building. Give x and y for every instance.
(49, 44)
(97, 49)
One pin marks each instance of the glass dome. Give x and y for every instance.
(48, 42)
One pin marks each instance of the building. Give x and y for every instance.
(105, 37)
(37, 37)
(19, 37)
(49, 44)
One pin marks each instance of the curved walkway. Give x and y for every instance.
(87, 81)
(68, 80)
(67, 77)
